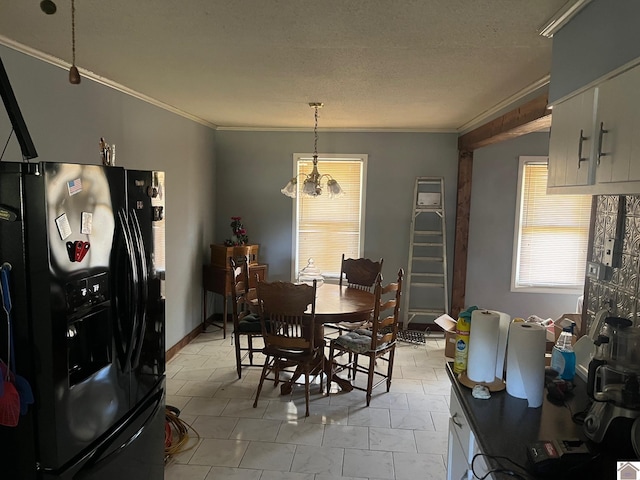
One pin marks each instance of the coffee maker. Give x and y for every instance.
(613, 384)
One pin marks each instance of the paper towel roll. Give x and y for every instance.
(525, 362)
(505, 321)
(483, 346)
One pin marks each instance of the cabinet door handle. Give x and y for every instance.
(600, 135)
(455, 422)
(582, 139)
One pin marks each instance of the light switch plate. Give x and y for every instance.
(595, 271)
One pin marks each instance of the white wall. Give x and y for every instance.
(252, 167)
(66, 122)
(599, 39)
(491, 229)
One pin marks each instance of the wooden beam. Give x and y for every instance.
(531, 117)
(463, 207)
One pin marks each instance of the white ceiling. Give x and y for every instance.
(376, 64)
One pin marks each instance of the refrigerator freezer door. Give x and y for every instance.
(130, 451)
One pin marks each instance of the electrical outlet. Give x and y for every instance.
(595, 271)
(607, 258)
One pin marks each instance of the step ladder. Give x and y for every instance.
(426, 288)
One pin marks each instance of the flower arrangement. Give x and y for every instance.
(239, 236)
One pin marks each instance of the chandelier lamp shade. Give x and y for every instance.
(312, 185)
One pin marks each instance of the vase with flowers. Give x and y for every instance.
(239, 234)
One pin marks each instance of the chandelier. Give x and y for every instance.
(312, 185)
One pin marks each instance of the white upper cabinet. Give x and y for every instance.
(571, 141)
(618, 129)
(595, 139)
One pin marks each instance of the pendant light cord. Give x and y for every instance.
(73, 32)
(315, 136)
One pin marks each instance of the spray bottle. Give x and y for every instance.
(563, 357)
(463, 327)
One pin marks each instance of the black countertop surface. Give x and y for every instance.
(504, 425)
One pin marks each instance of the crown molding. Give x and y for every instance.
(55, 61)
(506, 104)
(562, 17)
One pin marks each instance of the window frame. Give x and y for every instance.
(515, 265)
(307, 157)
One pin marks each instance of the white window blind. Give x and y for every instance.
(552, 234)
(328, 227)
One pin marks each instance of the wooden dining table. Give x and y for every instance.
(334, 304)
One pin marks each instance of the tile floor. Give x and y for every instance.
(401, 436)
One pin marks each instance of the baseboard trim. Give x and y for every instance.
(173, 351)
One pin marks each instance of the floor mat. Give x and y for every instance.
(411, 336)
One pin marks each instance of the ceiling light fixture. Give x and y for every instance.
(312, 184)
(74, 74)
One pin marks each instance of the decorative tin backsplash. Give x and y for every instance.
(617, 217)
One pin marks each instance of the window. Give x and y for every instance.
(325, 228)
(551, 237)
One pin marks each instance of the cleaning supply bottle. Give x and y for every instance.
(563, 358)
(463, 327)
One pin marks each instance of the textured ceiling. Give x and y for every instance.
(394, 64)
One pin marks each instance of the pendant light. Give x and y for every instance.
(74, 74)
(312, 185)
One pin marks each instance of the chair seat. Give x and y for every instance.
(250, 324)
(293, 355)
(358, 341)
(249, 327)
(251, 317)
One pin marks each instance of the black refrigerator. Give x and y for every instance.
(84, 247)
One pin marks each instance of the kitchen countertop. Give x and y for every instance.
(504, 425)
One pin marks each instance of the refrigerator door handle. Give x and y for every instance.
(131, 297)
(143, 288)
(119, 297)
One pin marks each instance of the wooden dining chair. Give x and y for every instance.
(377, 343)
(359, 273)
(288, 333)
(246, 323)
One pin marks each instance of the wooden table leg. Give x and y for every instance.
(343, 383)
